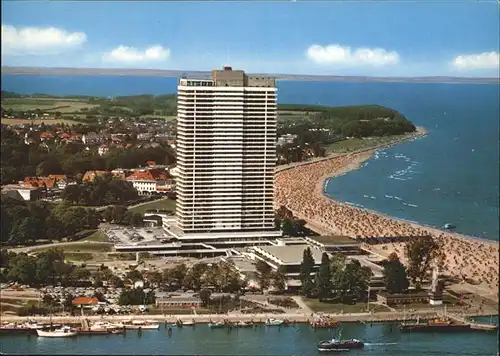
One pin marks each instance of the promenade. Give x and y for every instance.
(234, 317)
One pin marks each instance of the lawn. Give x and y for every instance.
(78, 247)
(162, 204)
(98, 236)
(78, 256)
(166, 118)
(321, 307)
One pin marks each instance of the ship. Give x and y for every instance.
(340, 345)
(64, 331)
(274, 322)
(141, 324)
(436, 325)
(325, 323)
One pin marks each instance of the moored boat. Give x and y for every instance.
(142, 324)
(216, 325)
(189, 323)
(437, 325)
(274, 322)
(325, 323)
(243, 324)
(64, 331)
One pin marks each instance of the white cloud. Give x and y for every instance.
(36, 40)
(131, 54)
(341, 55)
(485, 60)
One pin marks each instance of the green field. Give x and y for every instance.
(78, 256)
(78, 247)
(5, 121)
(46, 104)
(321, 307)
(162, 204)
(98, 236)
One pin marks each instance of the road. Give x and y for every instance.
(55, 245)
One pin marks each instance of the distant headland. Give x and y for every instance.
(206, 74)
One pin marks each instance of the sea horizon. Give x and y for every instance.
(449, 176)
(177, 73)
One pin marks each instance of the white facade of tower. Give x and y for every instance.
(226, 156)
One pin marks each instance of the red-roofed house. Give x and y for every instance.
(85, 302)
(90, 175)
(45, 136)
(148, 182)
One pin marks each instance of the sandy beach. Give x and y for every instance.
(301, 189)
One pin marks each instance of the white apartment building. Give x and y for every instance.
(226, 155)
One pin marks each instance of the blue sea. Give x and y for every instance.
(297, 340)
(450, 176)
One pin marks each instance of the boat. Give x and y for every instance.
(64, 331)
(243, 324)
(436, 325)
(216, 325)
(33, 325)
(274, 322)
(11, 328)
(325, 323)
(448, 226)
(141, 324)
(340, 345)
(189, 323)
(105, 325)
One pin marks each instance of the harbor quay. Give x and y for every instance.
(257, 318)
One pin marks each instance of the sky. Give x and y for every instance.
(369, 38)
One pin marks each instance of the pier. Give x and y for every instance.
(474, 326)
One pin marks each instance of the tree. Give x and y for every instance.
(205, 297)
(115, 282)
(174, 277)
(421, 252)
(137, 219)
(119, 212)
(136, 296)
(278, 280)
(351, 282)
(107, 214)
(324, 281)
(154, 277)
(395, 277)
(134, 276)
(263, 274)
(306, 269)
(189, 279)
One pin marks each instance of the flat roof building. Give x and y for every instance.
(289, 258)
(226, 154)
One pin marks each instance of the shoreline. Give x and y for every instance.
(296, 318)
(466, 256)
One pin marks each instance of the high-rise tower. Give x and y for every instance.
(226, 156)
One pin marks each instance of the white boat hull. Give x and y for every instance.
(143, 327)
(42, 333)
